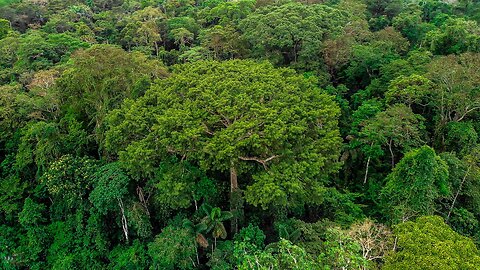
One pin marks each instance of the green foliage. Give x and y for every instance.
(173, 248)
(129, 257)
(11, 192)
(464, 222)
(4, 27)
(229, 12)
(341, 251)
(180, 184)
(48, 49)
(222, 41)
(428, 243)
(285, 255)
(366, 62)
(395, 128)
(414, 185)
(461, 136)
(32, 219)
(145, 134)
(252, 235)
(69, 180)
(92, 89)
(110, 186)
(458, 86)
(292, 32)
(248, 119)
(31, 214)
(409, 90)
(7, 2)
(214, 221)
(456, 35)
(44, 142)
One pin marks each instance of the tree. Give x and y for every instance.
(456, 93)
(292, 32)
(11, 193)
(4, 28)
(236, 116)
(229, 13)
(68, 181)
(129, 257)
(110, 188)
(224, 41)
(463, 178)
(341, 251)
(285, 255)
(44, 99)
(182, 37)
(410, 24)
(98, 79)
(367, 60)
(428, 243)
(410, 90)
(14, 111)
(455, 36)
(375, 240)
(173, 249)
(48, 50)
(33, 242)
(42, 143)
(214, 218)
(179, 184)
(197, 231)
(396, 127)
(415, 184)
(460, 137)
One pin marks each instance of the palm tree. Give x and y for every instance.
(214, 218)
(287, 233)
(197, 230)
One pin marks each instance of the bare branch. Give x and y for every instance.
(261, 161)
(207, 130)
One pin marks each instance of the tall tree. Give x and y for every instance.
(291, 33)
(397, 127)
(243, 117)
(429, 243)
(98, 79)
(415, 184)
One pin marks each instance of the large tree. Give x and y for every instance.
(291, 33)
(415, 184)
(456, 95)
(241, 117)
(429, 243)
(99, 78)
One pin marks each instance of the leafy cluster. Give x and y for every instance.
(249, 134)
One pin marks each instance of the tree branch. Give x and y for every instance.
(467, 112)
(261, 161)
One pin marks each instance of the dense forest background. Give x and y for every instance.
(214, 134)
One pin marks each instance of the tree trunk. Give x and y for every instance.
(366, 171)
(156, 49)
(233, 179)
(234, 197)
(124, 219)
(391, 153)
(196, 253)
(458, 192)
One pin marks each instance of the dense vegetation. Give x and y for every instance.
(214, 134)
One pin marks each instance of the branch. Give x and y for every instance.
(261, 161)
(467, 112)
(458, 192)
(207, 130)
